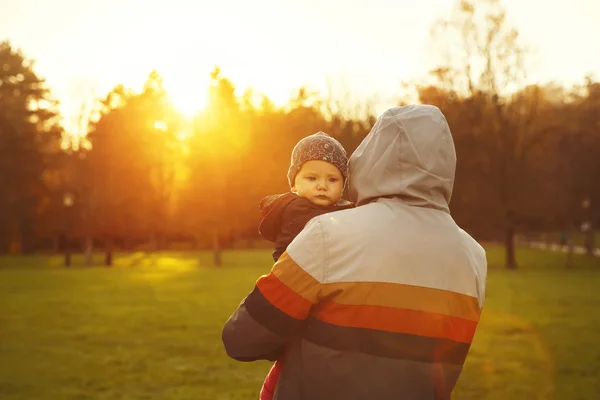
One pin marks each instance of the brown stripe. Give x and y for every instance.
(386, 344)
(397, 320)
(398, 295)
(268, 315)
(282, 297)
(409, 297)
(297, 279)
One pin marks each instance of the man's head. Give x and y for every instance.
(318, 169)
(409, 154)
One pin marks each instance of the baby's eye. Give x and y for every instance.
(333, 180)
(311, 178)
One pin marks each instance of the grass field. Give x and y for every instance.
(150, 327)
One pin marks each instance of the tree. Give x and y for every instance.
(485, 66)
(131, 165)
(29, 141)
(218, 148)
(579, 171)
(108, 182)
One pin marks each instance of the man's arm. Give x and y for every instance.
(275, 312)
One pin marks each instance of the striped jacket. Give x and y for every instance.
(381, 301)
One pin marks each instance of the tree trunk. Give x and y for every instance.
(88, 251)
(154, 243)
(217, 262)
(108, 259)
(509, 245)
(56, 244)
(67, 251)
(567, 239)
(27, 236)
(589, 242)
(569, 260)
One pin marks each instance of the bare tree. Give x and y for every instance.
(484, 63)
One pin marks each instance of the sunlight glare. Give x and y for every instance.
(189, 98)
(184, 134)
(160, 125)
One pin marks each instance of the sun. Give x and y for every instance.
(187, 97)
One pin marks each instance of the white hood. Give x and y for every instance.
(409, 154)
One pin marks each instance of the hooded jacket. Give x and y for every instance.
(285, 215)
(380, 301)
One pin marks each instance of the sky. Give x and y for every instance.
(367, 47)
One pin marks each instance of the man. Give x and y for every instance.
(380, 301)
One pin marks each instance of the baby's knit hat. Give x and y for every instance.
(319, 146)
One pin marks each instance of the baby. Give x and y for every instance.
(317, 176)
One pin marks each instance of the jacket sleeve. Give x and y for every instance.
(276, 310)
(293, 221)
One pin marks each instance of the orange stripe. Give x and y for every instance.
(282, 297)
(386, 294)
(398, 320)
(409, 297)
(295, 278)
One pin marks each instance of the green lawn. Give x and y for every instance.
(150, 328)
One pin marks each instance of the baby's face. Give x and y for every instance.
(319, 182)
